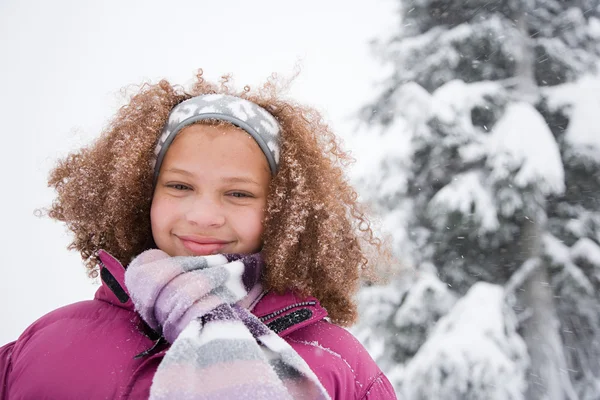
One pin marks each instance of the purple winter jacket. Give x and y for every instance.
(101, 349)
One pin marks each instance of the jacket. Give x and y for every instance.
(101, 348)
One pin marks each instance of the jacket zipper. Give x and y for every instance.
(287, 308)
(262, 319)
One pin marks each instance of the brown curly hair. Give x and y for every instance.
(317, 236)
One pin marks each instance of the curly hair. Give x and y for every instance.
(317, 236)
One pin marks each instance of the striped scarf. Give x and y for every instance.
(219, 349)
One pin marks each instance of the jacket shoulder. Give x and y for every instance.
(59, 328)
(80, 310)
(341, 362)
(71, 314)
(86, 347)
(5, 367)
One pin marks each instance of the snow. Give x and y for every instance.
(521, 140)
(432, 57)
(594, 28)
(582, 102)
(563, 257)
(394, 223)
(390, 143)
(428, 300)
(413, 103)
(587, 250)
(499, 161)
(520, 276)
(457, 98)
(576, 227)
(477, 346)
(472, 152)
(579, 279)
(583, 132)
(467, 195)
(393, 184)
(377, 305)
(556, 48)
(324, 349)
(557, 250)
(406, 49)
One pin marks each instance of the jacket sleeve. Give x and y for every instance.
(5, 367)
(380, 389)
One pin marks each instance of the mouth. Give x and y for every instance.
(203, 246)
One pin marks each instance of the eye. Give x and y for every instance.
(178, 186)
(240, 195)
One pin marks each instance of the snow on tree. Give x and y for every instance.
(572, 242)
(447, 365)
(501, 180)
(395, 330)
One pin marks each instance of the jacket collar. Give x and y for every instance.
(113, 288)
(288, 312)
(283, 313)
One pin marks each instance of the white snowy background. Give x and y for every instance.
(64, 62)
(484, 159)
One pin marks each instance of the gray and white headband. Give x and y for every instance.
(249, 116)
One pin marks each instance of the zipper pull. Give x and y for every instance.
(151, 349)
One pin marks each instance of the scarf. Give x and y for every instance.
(219, 350)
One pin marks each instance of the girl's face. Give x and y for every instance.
(211, 193)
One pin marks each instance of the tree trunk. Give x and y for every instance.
(548, 376)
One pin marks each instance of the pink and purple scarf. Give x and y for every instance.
(219, 350)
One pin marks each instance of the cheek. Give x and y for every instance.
(154, 221)
(250, 225)
(159, 215)
(257, 224)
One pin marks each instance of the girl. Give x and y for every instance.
(243, 244)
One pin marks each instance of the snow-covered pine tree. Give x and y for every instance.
(402, 319)
(447, 367)
(500, 191)
(571, 243)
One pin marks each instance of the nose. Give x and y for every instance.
(206, 212)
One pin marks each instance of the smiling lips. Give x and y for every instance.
(202, 246)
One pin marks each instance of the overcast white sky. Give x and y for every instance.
(64, 62)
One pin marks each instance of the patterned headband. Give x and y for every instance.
(251, 117)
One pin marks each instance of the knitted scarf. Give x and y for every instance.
(219, 350)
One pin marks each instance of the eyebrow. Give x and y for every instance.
(179, 171)
(241, 179)
(231, 179)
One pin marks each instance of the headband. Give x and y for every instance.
(244, 114)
